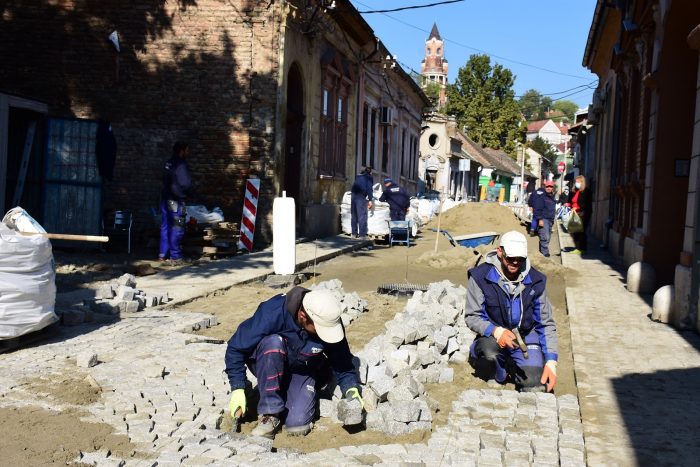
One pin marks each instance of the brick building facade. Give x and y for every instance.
(242, 81)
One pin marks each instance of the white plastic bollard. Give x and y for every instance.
(662, 305)
(283, 235)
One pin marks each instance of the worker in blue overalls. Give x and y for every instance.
(398, 200)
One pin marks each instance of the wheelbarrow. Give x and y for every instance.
(470, 240)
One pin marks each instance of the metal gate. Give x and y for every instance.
(73, 186)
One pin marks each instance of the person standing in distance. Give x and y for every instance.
(360, 201)
(177, 186)
(544, 209)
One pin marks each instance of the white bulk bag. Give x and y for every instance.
(27, 283)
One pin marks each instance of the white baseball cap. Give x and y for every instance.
(323, 308)
(514, 244)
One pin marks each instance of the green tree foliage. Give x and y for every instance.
(534, 105)
(432, 90)
(568, 108)
(544, 148)
(482, 99)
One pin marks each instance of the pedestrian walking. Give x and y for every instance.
(544, 209)
(532, 227)
(287, 344)
(581, 203)
(398, 199)
(508, 308)
(360, 201)
(177, 186)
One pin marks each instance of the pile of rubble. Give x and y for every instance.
(120, 296)
(416, 348)
(351, 304)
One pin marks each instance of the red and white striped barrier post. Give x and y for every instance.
(250, 210)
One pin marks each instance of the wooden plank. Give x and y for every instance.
(80, 238)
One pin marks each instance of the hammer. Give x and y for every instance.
(521, 342)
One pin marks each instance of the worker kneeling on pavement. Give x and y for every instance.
(508, 308)
(286, 344)
(398, 200)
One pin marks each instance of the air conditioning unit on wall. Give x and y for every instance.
(386, 115)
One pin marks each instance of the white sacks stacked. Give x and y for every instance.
(27, 279)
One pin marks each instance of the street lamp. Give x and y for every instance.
(520, 150)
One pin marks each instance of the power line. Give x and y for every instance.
(585, 86)
(410, 7)
(480, 50)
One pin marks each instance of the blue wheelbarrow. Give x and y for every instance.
(471, 240)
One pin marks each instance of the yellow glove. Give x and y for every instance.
(549, 375)
(354, 393)
(237, 406)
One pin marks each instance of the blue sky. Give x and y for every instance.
(543, 33)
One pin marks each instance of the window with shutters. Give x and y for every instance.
(334, 117)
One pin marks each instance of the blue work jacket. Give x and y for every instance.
(305, 352)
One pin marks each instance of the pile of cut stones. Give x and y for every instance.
(351, 304)
(111, 299)
(416, 348)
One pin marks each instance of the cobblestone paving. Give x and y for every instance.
(638, 380)
(166, 390)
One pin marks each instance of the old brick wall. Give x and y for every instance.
(203, 71)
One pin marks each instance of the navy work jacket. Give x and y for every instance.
(305, 352)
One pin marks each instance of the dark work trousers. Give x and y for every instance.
(358, 215)
(397, 214)
(545, 233)
(492, 362)
(172, 228)
(281, 389)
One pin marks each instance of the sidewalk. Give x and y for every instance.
(638, 380)
(199, 280)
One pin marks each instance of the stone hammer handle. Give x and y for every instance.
(521, 342)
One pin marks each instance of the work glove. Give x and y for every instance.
(354, 393)
(237, 406)
(549, 375)
(505, 338)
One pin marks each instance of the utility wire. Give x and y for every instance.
(410, 7)
(480, 50)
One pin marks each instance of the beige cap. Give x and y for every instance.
(323, 308)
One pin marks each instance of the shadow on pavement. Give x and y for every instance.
(661, 415)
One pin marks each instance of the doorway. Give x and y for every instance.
(294, 126)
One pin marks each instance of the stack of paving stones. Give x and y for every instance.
(351, 304)
(417, 348)
(165, 389)
(111, 300)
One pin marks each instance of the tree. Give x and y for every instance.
(432, 90)
(482, 100)
(568, 108)
(544, 148)
(534, 105)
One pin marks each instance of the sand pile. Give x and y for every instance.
(469, 218)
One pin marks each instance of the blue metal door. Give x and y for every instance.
(73, 186)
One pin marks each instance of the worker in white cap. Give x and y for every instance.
(507, 307)
(286, 344)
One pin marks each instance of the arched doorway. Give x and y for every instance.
(293, 135)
